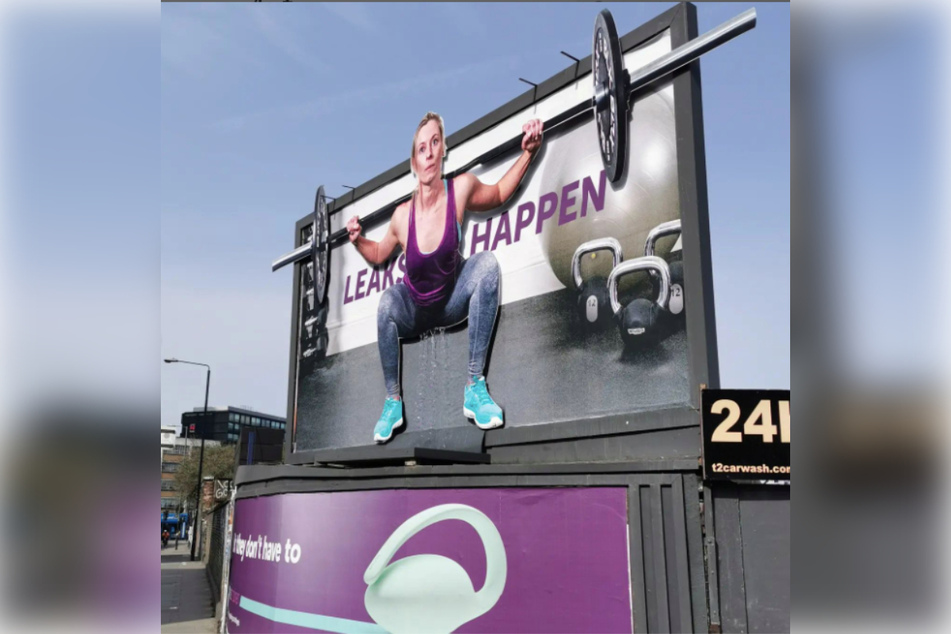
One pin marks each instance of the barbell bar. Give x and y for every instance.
(614, 87)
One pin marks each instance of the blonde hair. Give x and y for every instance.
(430, 116)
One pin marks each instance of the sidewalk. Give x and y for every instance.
(187, 603)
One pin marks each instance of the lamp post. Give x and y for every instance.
(201, 453)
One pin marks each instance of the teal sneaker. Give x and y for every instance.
(479, 406)
(390, 420)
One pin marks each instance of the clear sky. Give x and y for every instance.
(262, 102)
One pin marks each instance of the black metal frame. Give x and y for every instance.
(681, 21)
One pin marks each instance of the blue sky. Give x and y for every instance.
(262, 102)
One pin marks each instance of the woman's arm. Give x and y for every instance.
(373, 252)
(483, 197)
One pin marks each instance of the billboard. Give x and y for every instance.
(561, 349)
(746, 435)
(432, 560)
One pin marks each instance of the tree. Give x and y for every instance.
(219, 464)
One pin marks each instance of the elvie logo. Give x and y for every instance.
(432, 593)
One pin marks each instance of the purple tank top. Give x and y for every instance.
(432, 276)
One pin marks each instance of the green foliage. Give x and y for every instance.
(219, 463)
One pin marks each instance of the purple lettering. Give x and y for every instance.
(597, 197)
(476, 238)
(347, 297)
(359, 294)
(566, 202)
(374, 281)
(388, 275)
(521, 221)
(402, 264)
(503, 232)
(547, 205)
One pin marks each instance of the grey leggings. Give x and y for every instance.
(475, 296)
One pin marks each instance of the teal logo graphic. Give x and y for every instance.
(431, 593)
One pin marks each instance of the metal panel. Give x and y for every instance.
(729, 538)
(661, 596)
(693, 519)
(662, 561)
(638, 581)
(692, 172)
(764, 518)
(752, 556)
(680, 575)
(665, 444)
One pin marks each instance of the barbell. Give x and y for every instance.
(317, 248)
(614, 88)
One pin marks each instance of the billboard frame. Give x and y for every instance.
(666, 548)
(703, 361)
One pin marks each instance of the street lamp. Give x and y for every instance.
(201, 453)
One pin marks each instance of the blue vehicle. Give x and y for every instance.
(176, 524)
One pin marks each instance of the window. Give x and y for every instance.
(170, 467)
(168, 485)
(233, 417)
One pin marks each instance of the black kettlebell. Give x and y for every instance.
(641, 321)
(593, 306)
(676, 304)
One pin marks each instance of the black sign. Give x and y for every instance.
(745, 434)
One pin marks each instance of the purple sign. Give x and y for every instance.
(432, 560)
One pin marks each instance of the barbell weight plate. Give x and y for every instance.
(610, 89)
(321, 246)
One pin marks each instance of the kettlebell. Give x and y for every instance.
(593, 307)
(432, 593)
(640, 322)
(675, 306)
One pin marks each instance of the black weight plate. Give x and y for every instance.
(321, 249)
(607, 69)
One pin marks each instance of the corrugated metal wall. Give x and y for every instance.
(666, 555)
(752, 526)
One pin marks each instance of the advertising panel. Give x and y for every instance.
(568, 341)
(432, 560)
(746, 435)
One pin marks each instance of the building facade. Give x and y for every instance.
(224, 424)
(174, 450)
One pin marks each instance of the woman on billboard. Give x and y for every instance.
(440, 287)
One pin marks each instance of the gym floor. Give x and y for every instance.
(542, 368)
